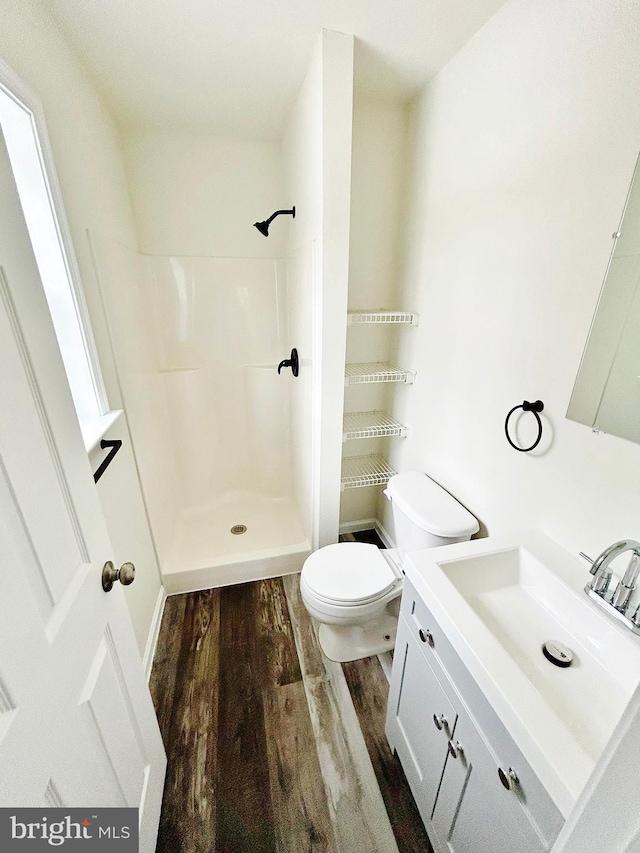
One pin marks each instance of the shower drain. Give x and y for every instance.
(237, 529)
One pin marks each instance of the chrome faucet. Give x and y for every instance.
(599, 586)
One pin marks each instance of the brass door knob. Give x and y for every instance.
(125, 574)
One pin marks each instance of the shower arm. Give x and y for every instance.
(263, 227)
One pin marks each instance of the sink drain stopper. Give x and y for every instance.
(237, 529)
(557, 653)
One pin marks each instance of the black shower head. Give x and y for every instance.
(263, 227)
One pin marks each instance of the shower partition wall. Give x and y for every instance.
(197, 343)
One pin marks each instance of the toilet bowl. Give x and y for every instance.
(353, 589)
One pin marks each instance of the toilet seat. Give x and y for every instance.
(348, 574)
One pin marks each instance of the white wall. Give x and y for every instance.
(377, 219)
(88, 158)
(317, 165)
(524, 147)
(337, 129)
(302, 268)
(195, 193)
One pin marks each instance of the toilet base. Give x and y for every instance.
(344, 643)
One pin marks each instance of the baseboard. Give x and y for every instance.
(382, 533)
(357, 526)
(154, 633)
(368, 524)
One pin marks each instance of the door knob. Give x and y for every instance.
(125, 574)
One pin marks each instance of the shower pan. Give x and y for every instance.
(222, 436)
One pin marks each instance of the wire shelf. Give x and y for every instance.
(361, 471)
(370, 425)
(407, 318)
(376, 372)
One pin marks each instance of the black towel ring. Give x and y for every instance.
(526, 406)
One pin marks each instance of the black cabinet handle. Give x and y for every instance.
(115, 446)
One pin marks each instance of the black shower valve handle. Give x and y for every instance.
(293, 362)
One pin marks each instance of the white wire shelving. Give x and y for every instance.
(377, 371)
(406, 318)
(361, 471)
(371, 425)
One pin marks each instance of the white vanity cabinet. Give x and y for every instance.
(472, 785)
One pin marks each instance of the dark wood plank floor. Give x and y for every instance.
(244, 755)
(369, 687)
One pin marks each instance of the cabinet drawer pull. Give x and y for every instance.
(426, 637)
(440, 722)
(508, 779)
(455, 751)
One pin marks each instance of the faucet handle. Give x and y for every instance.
(592, 567)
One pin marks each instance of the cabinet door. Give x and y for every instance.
(474, 811)
(420, 719)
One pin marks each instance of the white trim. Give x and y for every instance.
(357, 526)
(93, 431)
(386, 662)
(368, 524)
(382, 533)
(154, 633)
(18, 90)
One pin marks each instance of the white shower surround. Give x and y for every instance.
(221, 328)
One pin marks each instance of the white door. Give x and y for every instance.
(77, 725)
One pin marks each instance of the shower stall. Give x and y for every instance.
(223, 440)
(239, 462)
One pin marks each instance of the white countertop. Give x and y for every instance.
(561, 719)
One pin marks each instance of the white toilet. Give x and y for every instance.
(353, 589)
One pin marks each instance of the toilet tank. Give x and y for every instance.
(425, 515)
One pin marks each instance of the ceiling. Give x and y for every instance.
(235, 66)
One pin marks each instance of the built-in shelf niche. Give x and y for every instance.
(377, 371)
(373, 469)
(371, 425)
(406, 318)
(361, 471)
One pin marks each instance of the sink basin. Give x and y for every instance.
(499, 600)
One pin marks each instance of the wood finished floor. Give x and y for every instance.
(271, 747)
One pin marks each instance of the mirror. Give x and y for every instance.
(606, 395)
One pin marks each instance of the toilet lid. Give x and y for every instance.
(348, 573)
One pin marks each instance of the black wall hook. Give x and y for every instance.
(526, 406)
(115, 446)
(293, 362)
